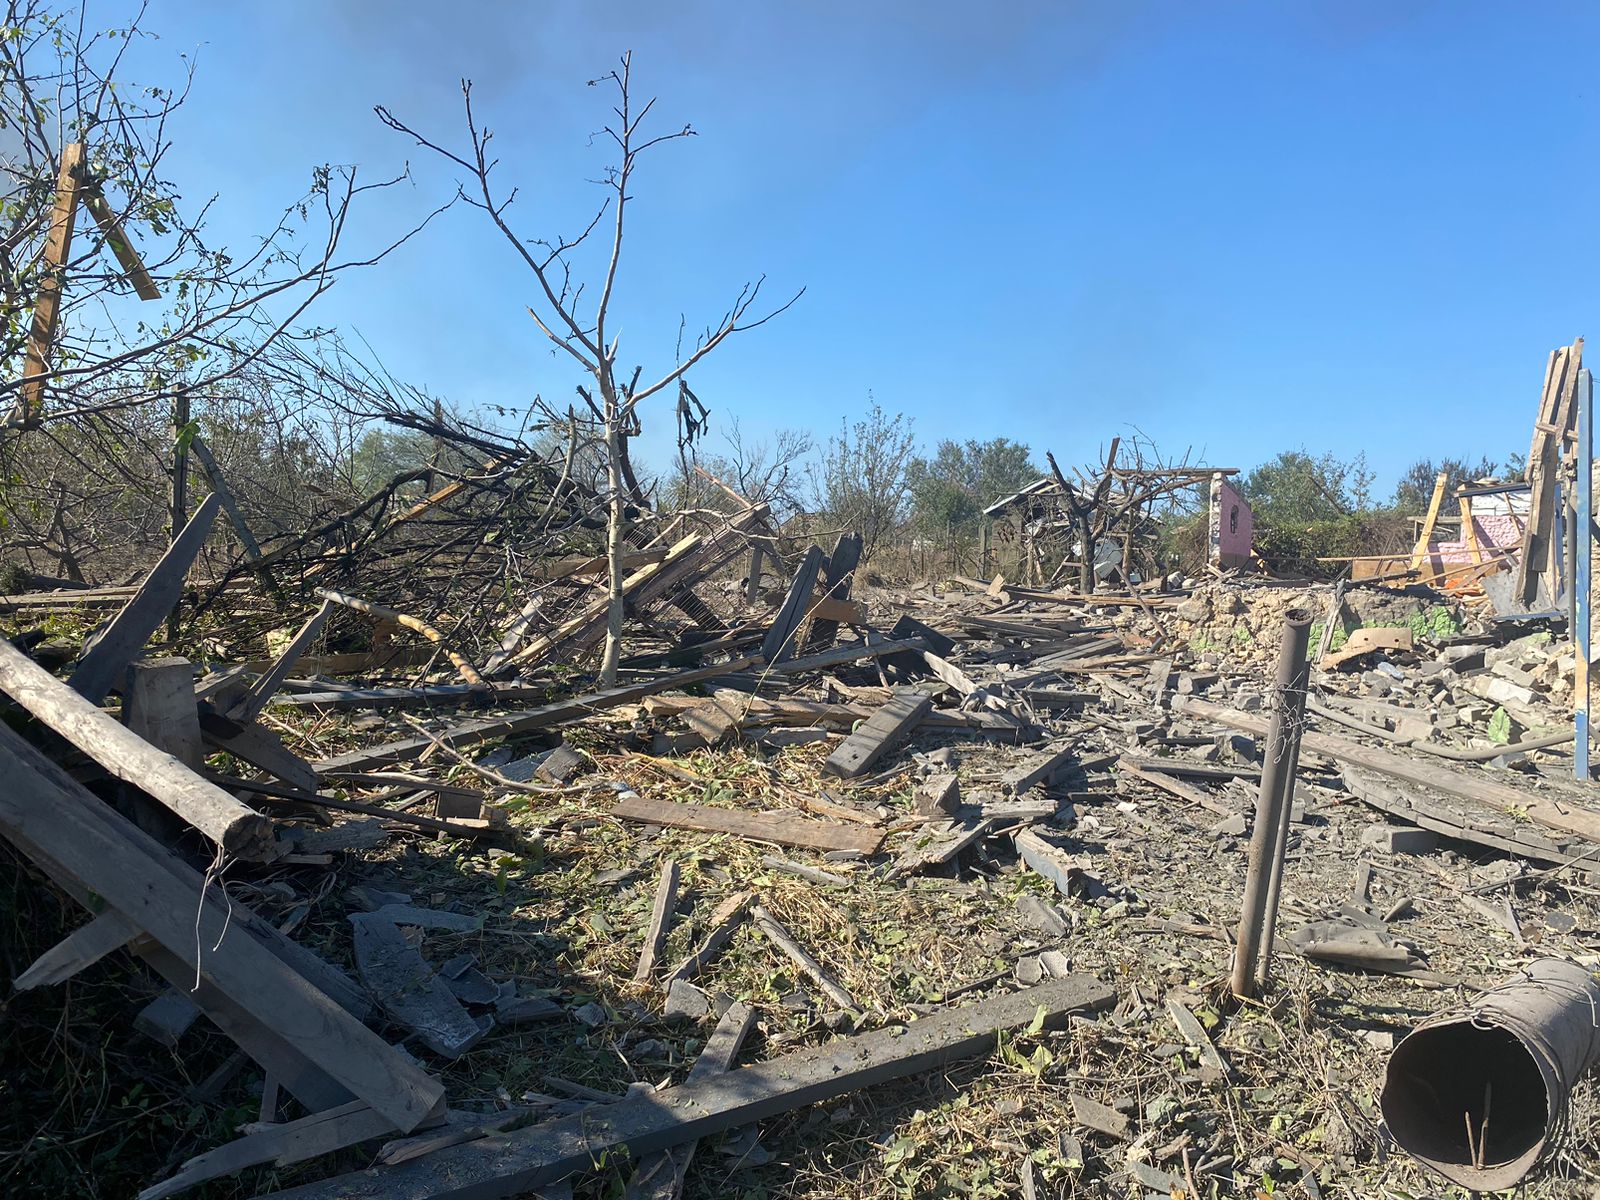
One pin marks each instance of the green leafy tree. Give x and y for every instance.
(950, 490)
(862, 483)
(1415, 488)
(1296, 488)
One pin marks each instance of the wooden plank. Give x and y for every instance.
(524, 1159)
(249, 706)
(437, 695)
(1469, 531)
(724, 920)
(1468, 785)
(1555, 411)
(655, 937)
(779, 935)
(1039, 769)
(837, 612)
(325, 1132)
(54, 821)
(470, 733)
(660, 1176)
(1046, 860)
(882, 731)
(133, 267)
(1365, 641)
(235, 827)
(158, 704)
(47, 301)
(83, 947)
(260, 748)
(410, 991)
(837, 578)
(632, 560)
(1174, 787)
(937, 844)
(781, 828)
(108, 653)
(779, 643)
(1428, 812)
(1420, 551)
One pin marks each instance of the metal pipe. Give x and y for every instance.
(1581, 570)
(1480, 1093)
(1288, 698)
(1295, 700)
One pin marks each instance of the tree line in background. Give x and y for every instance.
(303, 428)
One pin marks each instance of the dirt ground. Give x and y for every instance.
(92, 1108)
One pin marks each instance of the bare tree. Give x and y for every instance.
(585, 333)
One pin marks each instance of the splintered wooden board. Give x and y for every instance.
(781, 828)
(902, 713)
(517, 1162)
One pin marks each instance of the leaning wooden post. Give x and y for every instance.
(1272, 804)
(1581, 573)
(180, 482)
(47, 306)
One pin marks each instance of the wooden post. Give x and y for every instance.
(180, 483)
(1469, 531)
(1581, 574)
(47, 306)
(1420, 551)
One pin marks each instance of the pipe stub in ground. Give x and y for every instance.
(1480, 1093)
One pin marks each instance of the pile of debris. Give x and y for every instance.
(887, 829)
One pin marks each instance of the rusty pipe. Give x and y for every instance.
(1277, 775)
(1479, 1093)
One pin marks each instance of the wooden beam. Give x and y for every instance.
(237, 828)
(780, 640)
(83, 947)
(282, 1145)
(65, 829)
(782, 828)
(882, 731)
(417, 624)
(259, 747)
(837, 578)
(1039, 769)
(780, 937)
(107, 654)
(528, 1158)
(660, 1176)
(470, 733)
(47, 302)
(241, 529)
(249, 706)
(1465, 784)
(1420, 551)
(1469, 531)
(133, 267)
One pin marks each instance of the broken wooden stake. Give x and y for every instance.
(797, 954)
(655, 938)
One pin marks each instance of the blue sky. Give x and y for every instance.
(1238, 227)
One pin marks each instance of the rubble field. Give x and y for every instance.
(1003, 790)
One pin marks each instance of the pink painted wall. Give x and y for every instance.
(1232, 525)
(1494, 531)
